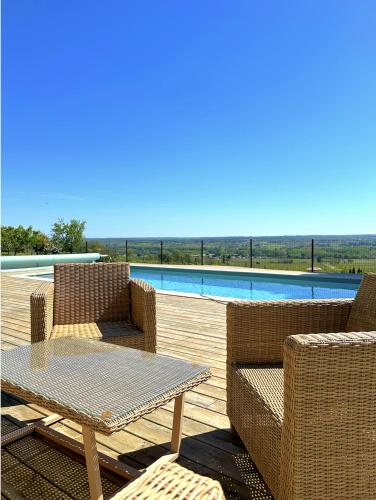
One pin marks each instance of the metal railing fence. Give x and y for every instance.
(318, 254)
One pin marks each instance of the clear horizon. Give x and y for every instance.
(154, 118)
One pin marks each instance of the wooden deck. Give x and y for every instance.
(192, 329)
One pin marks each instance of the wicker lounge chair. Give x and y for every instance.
(95, 301)
(310, 426)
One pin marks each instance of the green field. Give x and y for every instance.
(342, 254)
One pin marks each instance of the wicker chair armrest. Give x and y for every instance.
(329, 416)
(256, 330)
(143, 311)
(41, 309)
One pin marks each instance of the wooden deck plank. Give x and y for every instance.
(191, 329)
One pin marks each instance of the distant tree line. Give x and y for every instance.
(339, 254)
(65, 237)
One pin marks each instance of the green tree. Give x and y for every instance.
(187, 258)
(130, 254)
(51, 248)
(95, 246)
(39, 242)
(6, 238)
(16, 239)
(177, 257)
(68, 236)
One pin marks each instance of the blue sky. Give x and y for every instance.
(169, 118)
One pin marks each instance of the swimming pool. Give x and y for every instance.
(251, 286)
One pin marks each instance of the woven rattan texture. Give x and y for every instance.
(142, 335)
(266, 383)
(36, 469)
(170, 481)
(7, 426)
(95, 383)
(117, 332)
(325, 446)
(363, 312)
(41, 308)
(254, 421)
(88, 293)
(328, 437)
(257, 329)
(143, 311)
(97, 330)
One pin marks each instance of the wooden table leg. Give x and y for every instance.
(92, 463)
(177, 423)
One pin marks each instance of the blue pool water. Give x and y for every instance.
(244, 286)
(252, 287)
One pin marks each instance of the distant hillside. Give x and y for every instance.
(344, 253)
(120, 242)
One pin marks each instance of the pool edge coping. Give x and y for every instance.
(236, 270)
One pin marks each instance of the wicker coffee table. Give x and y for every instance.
(103, 387)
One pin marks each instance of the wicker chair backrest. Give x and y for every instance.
(362, 316)
(88, 293)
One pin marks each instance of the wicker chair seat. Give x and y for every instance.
(101, 330)
(115, 332)
(264, 383)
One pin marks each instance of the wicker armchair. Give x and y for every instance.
(310, 426)
(95, 301)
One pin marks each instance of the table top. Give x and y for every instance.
(102, 385)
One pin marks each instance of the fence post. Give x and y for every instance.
(126, 250)
(202, 252)
(161, 252)
(250, 253)
(312, 255)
